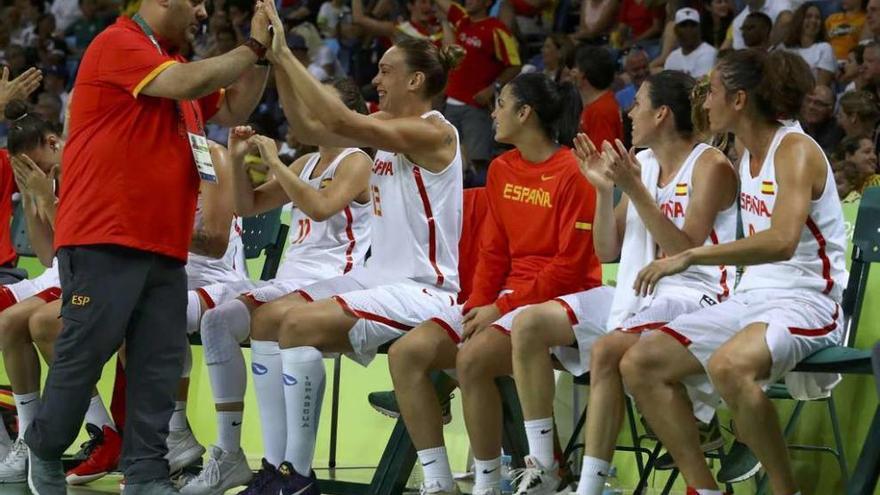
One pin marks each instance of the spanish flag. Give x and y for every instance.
(681, 189)
(768, 187)
(325, 182)
(583, 226)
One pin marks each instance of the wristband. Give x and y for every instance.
(257, 47)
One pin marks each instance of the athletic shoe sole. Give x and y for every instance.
(745, 476)
(78, 479)
(447, 418)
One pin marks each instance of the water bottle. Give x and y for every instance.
(612, 485)
(506, 480)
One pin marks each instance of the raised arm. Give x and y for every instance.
(195, 80)
(38, 202)
(608, 222)
(211, 233)
(714, 190)
(350, 183)
(247, 200)
(241, 99)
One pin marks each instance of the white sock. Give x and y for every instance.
(540, 436)
(266, 369)
(487, 474)
(593, 474)
(229, 430)
(193, 311)
(178, 417)
(303, 377)
(98, 415)
(26, 406)
(435, 466)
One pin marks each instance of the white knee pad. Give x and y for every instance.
(193, 312)
(222, 329)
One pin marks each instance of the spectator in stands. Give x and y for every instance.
(491, 60)
(226, 41)
(638, 24)
(635, 71)
(55, 83)
(756, 31)
(596, 21)
(66, 13)
(4, 40)
(870, 68)
(421, 23)
(31, 10)
(593, 74)
(817, 118)
(846, 176)
(807, 38)
(48, 108)
(852, 77)
(858, 114)
(844, 29)
(555, 56)
(694, 56)
(779, 13)
(716, 20)
(84, 30)
(872, 21)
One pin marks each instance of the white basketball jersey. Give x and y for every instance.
(819, 261)
(673, 200)
(321, 250)
(416, 219)
(204, 270)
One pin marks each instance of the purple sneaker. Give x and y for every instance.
(293, 483)
(267, 480)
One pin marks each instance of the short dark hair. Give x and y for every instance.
(597, 65)
(761, 17)
(26, 129)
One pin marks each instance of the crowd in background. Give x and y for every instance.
(606, 48)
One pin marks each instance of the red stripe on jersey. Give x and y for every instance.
(677, 336)
(432, 234)
(349, 219)
(370, 316)
(49, 295)
(203, 294)
(572, 317)
(446, 326)
(305, 295)
(7, 298)
(826, 263)
(643, 328)
(818, 332)
(501, 329)
(725, 291)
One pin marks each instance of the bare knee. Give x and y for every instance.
(264, 322)
(13, 331)
(473, 365)
(606, 355)
(296, 328)
(729, 375)
(409, 355)
(638, 366)
(525, 335)
(44, 326)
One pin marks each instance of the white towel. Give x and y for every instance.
(637, 251)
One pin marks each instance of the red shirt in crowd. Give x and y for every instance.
(601, 120)
(489, 49)
(7, 188)
(129, 174)
(538, 239)
(638, 17)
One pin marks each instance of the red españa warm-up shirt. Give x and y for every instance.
(7, 188)
(538, 239)
(129, 174)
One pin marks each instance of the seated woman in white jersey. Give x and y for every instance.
(412, 275)
(678, 193)
(330, 236)
(216, 253)
(533, 247)
(786, 305)
(35, 147)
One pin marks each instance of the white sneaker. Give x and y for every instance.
(222, 471)
(183, 450)
(535, 479)
(435, 488)
(13, 467)
(486, 491)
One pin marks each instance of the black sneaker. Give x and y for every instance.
(267, 480)
(738, 465)
(385, 403)
(293, 483)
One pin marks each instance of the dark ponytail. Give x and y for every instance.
(558, 106)
(26, 130)
(673, 89)
(776, 83)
